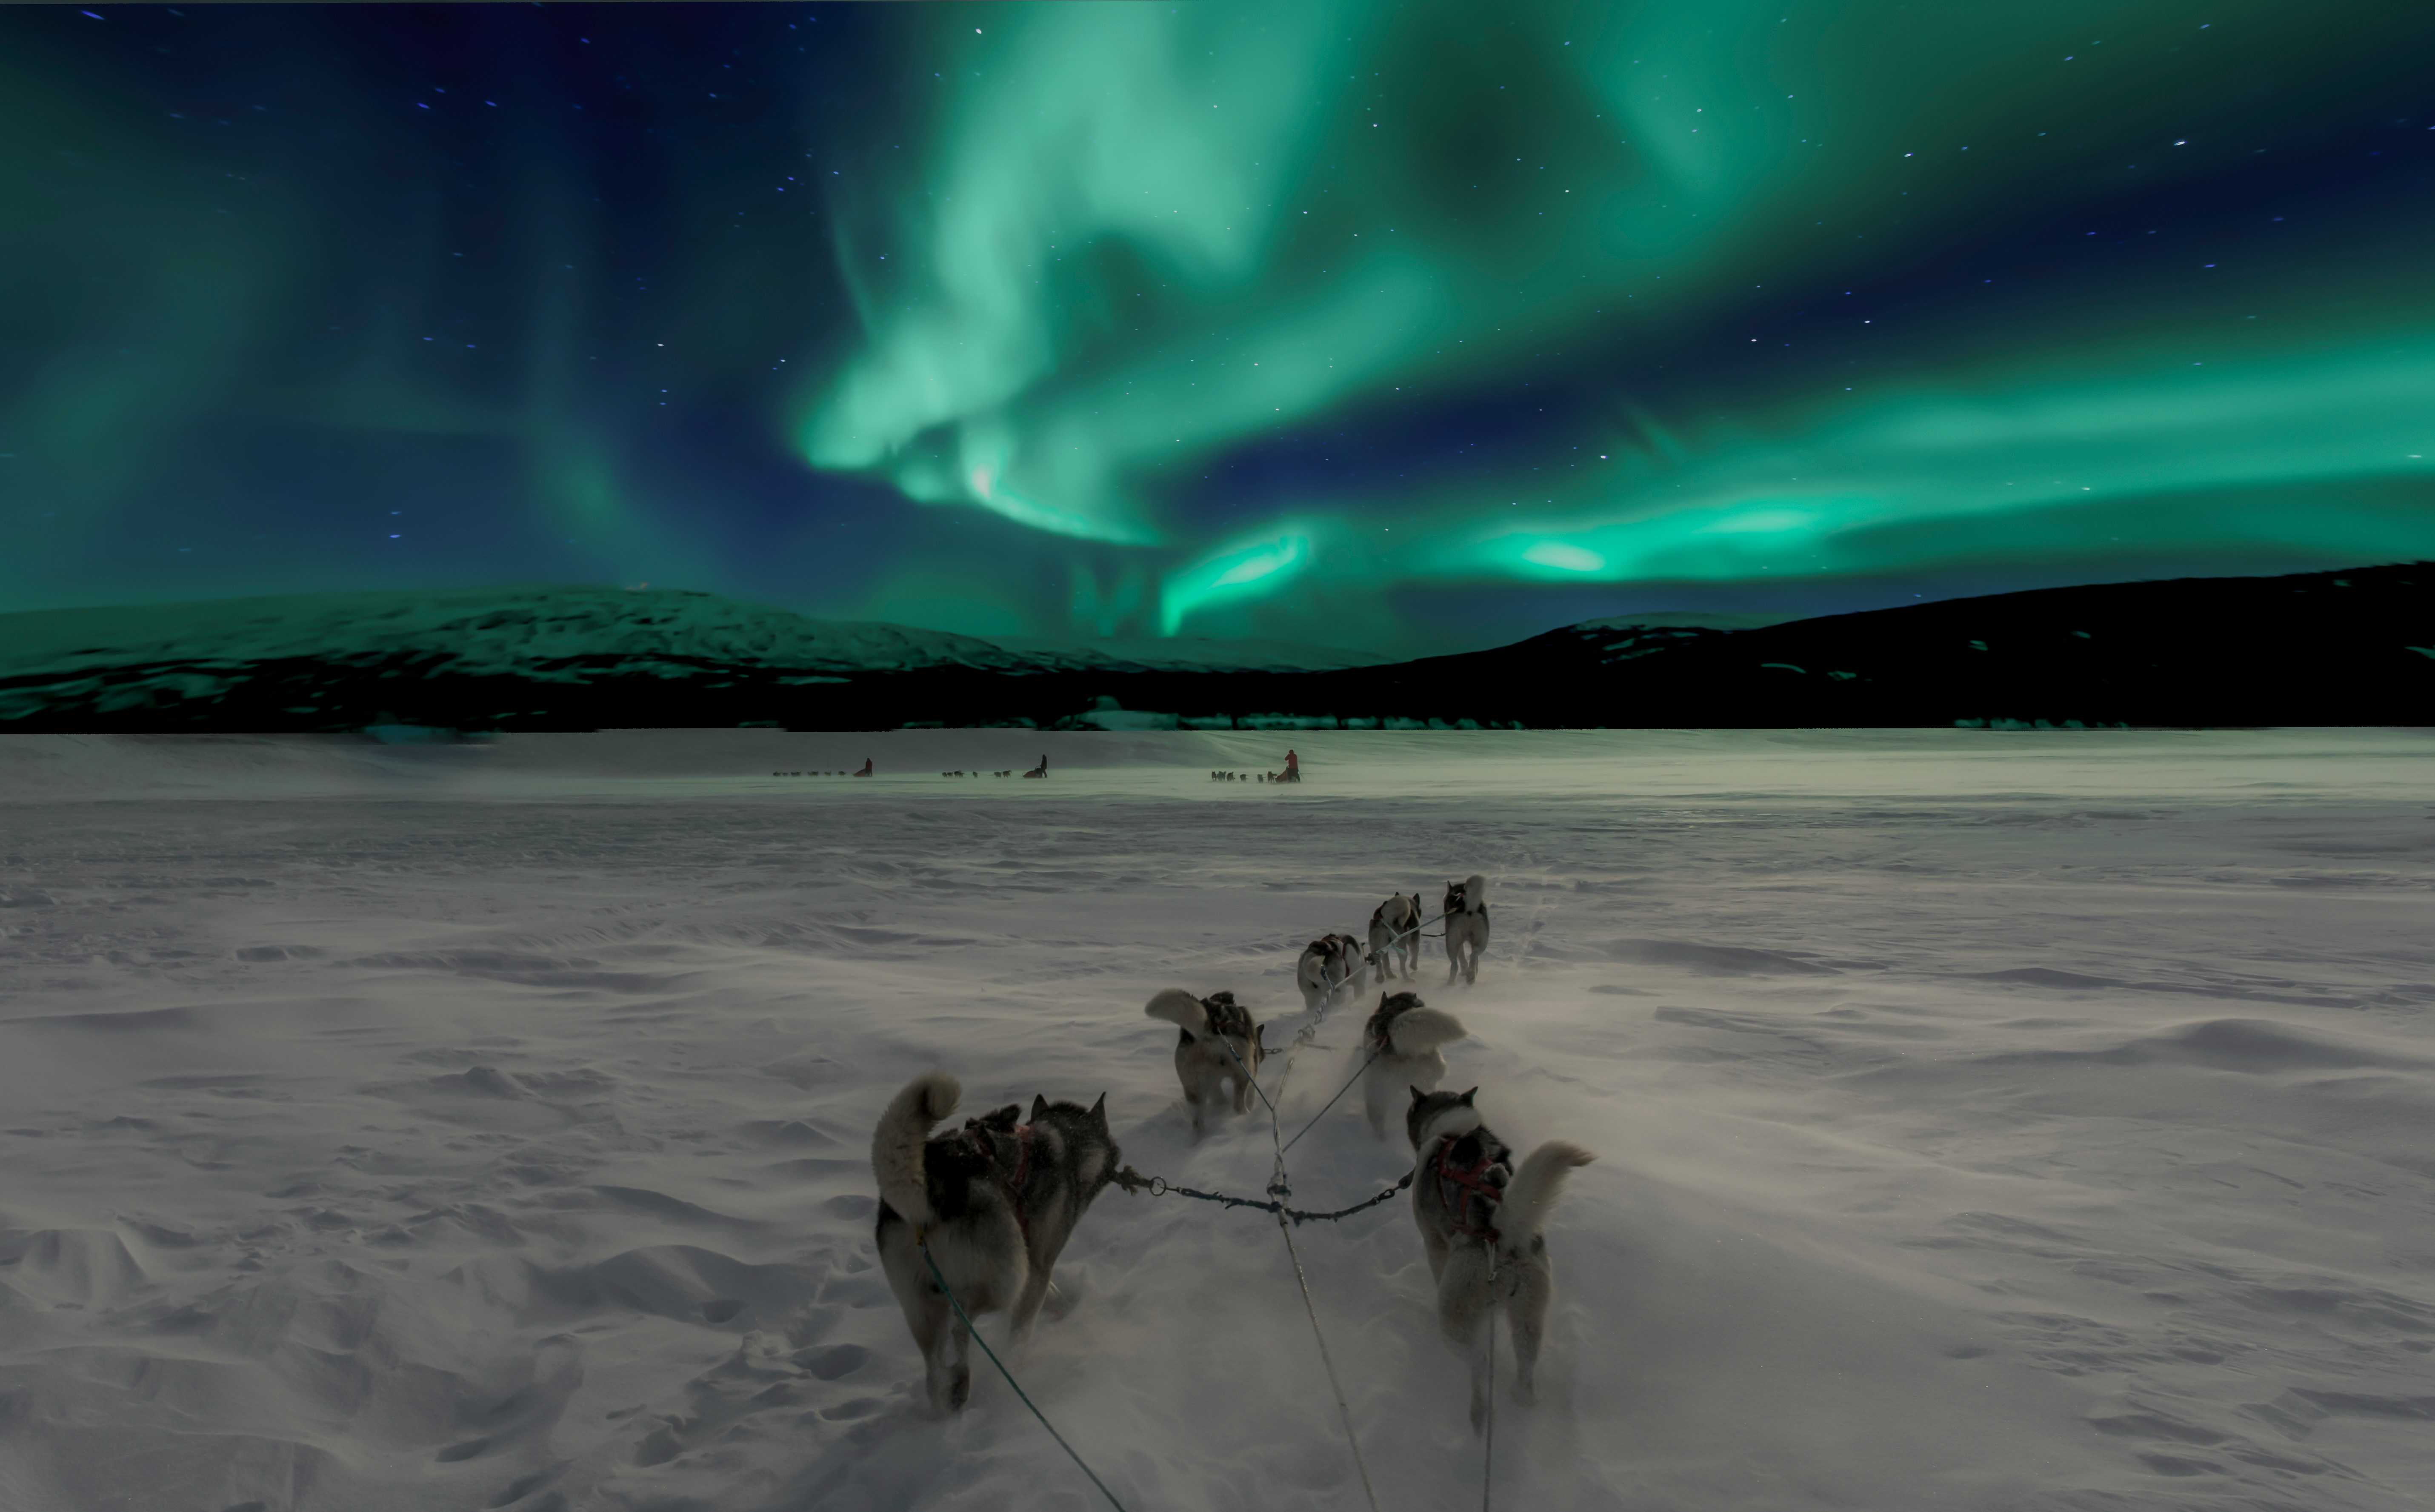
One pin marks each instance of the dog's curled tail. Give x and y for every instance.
(1182, 1009)
(1535, 1189)
(1475, 894)
(1415, 1031)
(896, 1145)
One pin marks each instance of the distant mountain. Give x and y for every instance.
(548, 634)
(2350, 647)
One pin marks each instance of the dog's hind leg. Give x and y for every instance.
(927, 1315)
(1526, 1289)
(1463, 1314)
(931, 1320)
(1434, 1246)
(958, 1380)
(1377, 1098)
(1034, 1291)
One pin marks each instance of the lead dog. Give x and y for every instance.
(1403, 1038)
(1218, 1044)
(1396, 928)
(1466, 926)
(1481, 1222)
(997, 1202)
(1330, 966)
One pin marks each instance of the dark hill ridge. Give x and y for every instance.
(2342, 647)
(2332, 648)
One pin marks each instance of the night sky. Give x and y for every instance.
(1405, 327)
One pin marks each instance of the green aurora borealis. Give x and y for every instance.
(1402, 326)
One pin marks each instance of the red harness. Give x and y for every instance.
(1472, 1181)
(1013, 1185)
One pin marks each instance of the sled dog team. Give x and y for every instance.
(997, 1199)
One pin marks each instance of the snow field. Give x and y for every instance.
(1984, 1121)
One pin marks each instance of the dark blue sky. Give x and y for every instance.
(1407, 327)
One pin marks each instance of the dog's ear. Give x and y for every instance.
(1417, 1094)
(1100, 1112)
(1039, 1107)
(1469, 1096)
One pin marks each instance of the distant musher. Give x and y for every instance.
(866, 767)
(1293, 769)
(1040, 770)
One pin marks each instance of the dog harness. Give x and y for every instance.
(1380, 1030)
(1013, 1185)
(1458, 1185)
(1227, 1017)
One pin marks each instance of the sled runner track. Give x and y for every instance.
(1333, 1101)
(1488, 1453)
(1278, 1185)
(966, 1318)
(1278, 1192)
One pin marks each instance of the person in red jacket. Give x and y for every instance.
(1293, 768)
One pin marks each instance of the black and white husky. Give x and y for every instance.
(1406, 1036)
(1395, 929)
(1466, 926)
(1330, 967)
(1218, 1045)
(997, 1201)
(1481, 1222)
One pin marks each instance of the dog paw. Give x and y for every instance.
(959, 1390)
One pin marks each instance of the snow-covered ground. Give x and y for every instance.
(1985, 1120)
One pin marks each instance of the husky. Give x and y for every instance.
(1466, 926)
(997, 1201)
(1404, 1038)
(1330, 966)
(1218, 1044)
(1481, 1222)
(1396, 928)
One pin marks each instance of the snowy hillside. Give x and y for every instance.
(479, 656)
(2320, 649)
(1986, 1123)
(544, 633)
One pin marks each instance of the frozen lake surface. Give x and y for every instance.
(1985, 1120)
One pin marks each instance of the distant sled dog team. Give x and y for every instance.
(981, 1214)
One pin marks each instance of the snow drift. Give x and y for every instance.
(1985, 1121)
